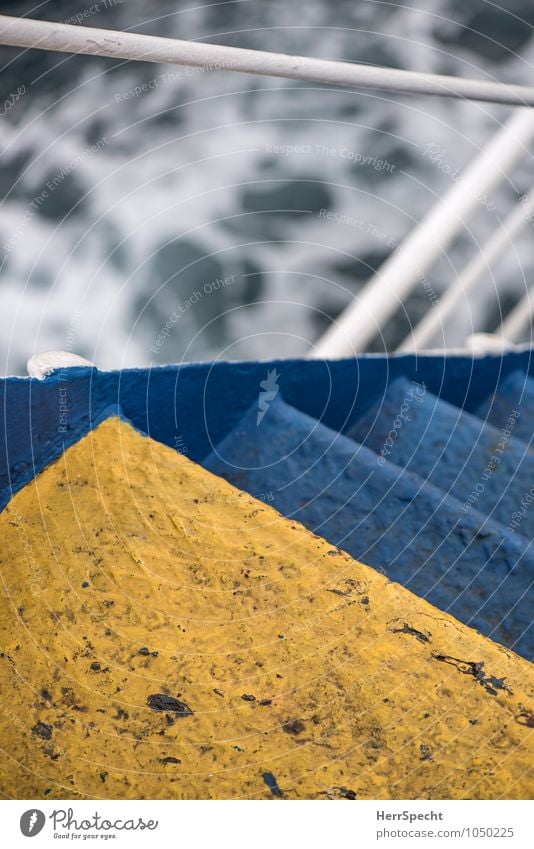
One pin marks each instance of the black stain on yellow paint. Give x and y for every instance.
(41, 729)
(296, 726)
(475, 668)
(341, 793)
(407, 629)
(167, 704)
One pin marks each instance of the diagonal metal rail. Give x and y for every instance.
(65, 38)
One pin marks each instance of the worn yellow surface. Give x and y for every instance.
(130, 572)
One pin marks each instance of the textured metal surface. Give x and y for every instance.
(386, 517)
(484, 466)
(166, 636)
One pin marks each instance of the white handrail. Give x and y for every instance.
(454, 297)
(65, 38)
(519, 319)
(399, 274)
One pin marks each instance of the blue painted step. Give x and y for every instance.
(486, 468)
(386, 517)
(515, 394)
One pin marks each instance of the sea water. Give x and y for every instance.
(153, 214)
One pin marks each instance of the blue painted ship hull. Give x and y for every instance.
(321, 441)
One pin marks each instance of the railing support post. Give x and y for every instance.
(399, 274)
(454, 297)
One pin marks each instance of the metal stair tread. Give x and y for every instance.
(485, 467)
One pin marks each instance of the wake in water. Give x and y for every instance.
(151, 213)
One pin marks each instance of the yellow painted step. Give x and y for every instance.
(166, 636)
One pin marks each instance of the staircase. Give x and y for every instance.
(421, 467)
(437, 498)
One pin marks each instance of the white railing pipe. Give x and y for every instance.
(399, 274)
(518, 321)
(477, 269)
(65, 38)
